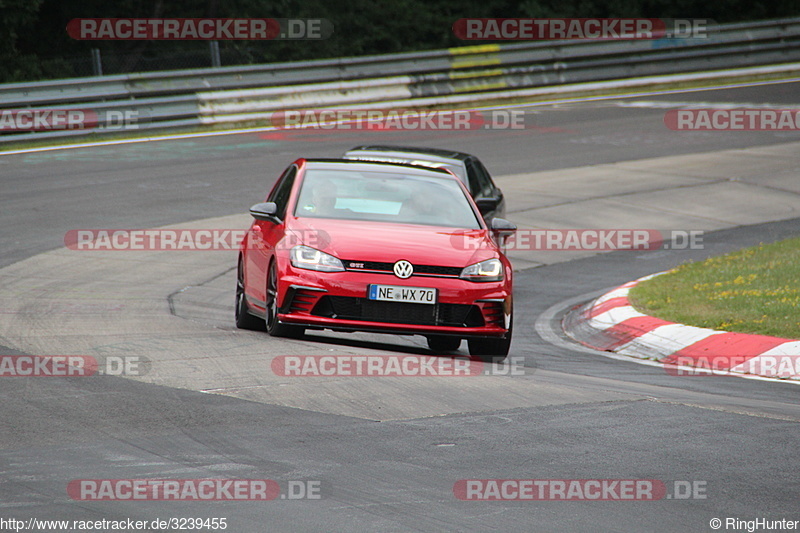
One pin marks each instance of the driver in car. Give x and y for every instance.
(323, 199)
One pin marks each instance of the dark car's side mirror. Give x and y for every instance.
(267, 211)
(486, 205)
(503, 228)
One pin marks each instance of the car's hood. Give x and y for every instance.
(385, 242)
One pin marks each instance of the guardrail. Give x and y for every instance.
(243, 94)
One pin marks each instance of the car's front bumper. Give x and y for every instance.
(338, 301)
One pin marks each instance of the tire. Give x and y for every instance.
(492, 350)
(443, 343)
(244, 320)
(275, 328)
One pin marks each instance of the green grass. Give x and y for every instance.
(755, 290)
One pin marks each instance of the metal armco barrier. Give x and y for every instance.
(229, 95)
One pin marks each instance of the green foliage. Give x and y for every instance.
(17, 17)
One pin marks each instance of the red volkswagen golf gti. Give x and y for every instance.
(381, 247)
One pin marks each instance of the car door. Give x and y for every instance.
(264, 236)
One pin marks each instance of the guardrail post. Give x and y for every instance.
(215, 61)
(97, 64)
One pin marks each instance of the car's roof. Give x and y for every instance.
(356, 164)
(437, 154)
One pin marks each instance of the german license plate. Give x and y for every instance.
(395, 293)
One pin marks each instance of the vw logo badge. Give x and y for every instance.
(403, 269)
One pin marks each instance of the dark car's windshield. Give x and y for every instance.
(456, 169)
(384, 197)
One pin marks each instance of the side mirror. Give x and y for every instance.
(503, 227)
(485, 204)
(267, 211)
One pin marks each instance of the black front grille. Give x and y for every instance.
(431, 270)
(368, 265)
(437, 270)
(441, 314)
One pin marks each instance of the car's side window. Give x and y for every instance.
(488, 177)
(483, 183)
(472, 176)
(280, 194)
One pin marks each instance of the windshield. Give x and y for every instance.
(458, 170)
(385, 197)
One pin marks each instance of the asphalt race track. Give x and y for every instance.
(387, 452)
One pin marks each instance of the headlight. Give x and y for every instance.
(311, 259)
(489, 270)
